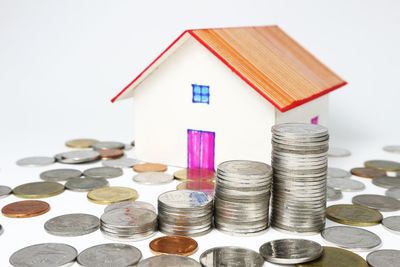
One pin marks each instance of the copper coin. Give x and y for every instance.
(133, 143)
(367, 172)
(150, 167)
(194, 174)
(110, 153)
(173, 244)
(25, 209)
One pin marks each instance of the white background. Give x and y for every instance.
(62, 61)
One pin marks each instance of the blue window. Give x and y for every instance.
(201, 94)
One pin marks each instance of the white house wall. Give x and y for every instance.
(163, 110)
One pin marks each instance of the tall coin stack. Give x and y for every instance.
(299, 160)
(185, 212)
(242, 193)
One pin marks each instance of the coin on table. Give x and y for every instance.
(338, 173)
(112, 194)
(103, 172)
(169, 260)
(25, 209)
(74, 224)
(345, 185)
(60, 175)
(77, 156)
(392, 223)
(287, 251)
(110, 153)
(385, 165)
(384, 258)
(38, 190)
(392, 149)
(231, 256)
(338, 152)
(110, 254)
(367, 172)
(121, 163)
(336, 257)
(173, 244)
(353, 238)
(386, 181)
(85, 184)
(81, 143)
(201, 185)
(353, 215)
(5, 191)
(35, 161)
(44, 255)
(194, 174)
(153, 178)
(150, 167)
(130, 204)
(393, 192)
(333, 194)
(378, 202)
(108, 145)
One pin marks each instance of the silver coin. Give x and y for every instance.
(378, 202)
(85, 184)
(168, 261)
(393, 192)
(121, 162)
(60, 175)
(44, 255)
(299, 129)
(333, 194)
(231, 256)
(75, 224)
(384, 258)
(35, 161)
(105, 145)
(338, 152)
(5, 191)
(184, 199)
(130, 204)
(290, 251)
(103, 172)
(392, 149)
(351, 238)
(153, 178)
(77, 156)
(345, 185)
(111, 254)
(392, 223)
(338, 173)
(386, 181)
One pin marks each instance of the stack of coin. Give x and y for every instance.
(185, 212)
(299, 160)
(128, 224)
(242, 194)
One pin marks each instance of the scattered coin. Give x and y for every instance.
(25, 209)
(231, 256)
(202, 186)
(336, 257)
(112, 194)
(38, 190)
(194, 174)
(338, 152)
(153, 178)
(386, 181)
(351, 238)
(392, 149)
(173, 244)
(60, 175)
(111, 254)
(338, 173)
(121, 163)
(393, 192)
(353, 215)
(80, 143)
(44, 255)
(367, 172)
(168, 260)
(378, 202)
(150, 167)
(108, 145)
(103, 172)
(384, 258)
(129, 205)
(333, 194)
(110, 153)
(287, 251)
(345, 185)
(5, 191)
(85, 184)
(35, 161)
(392, 223)
(385, 165)
(77, 156)
(75, 224)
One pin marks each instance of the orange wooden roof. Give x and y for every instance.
(271, 62)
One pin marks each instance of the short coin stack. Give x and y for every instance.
(242, 194)
(185, 212)
(299, 160)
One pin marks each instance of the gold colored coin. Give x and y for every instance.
(38, 190)
(112, 194)
(201, 185)
(367, 172)
(150, 167)
(194, 174)
(80, 143)
(336, 257)
(173, 244)
(385, 165)
(353, 215)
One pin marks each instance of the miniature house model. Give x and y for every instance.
(214, 94)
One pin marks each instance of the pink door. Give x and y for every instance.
(201, 147)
